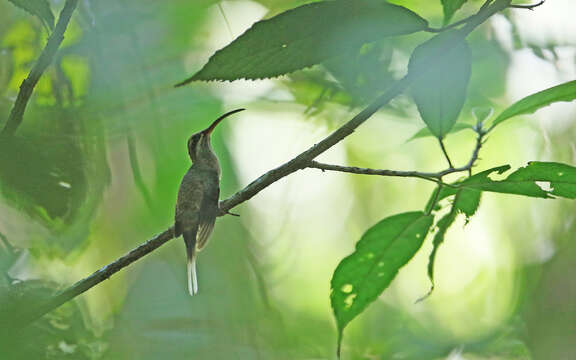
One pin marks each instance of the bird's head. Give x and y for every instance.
(199, 143)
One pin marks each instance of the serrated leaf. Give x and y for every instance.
(537, 179)
(441, 67)
(425, 132)
(534, 102)
(39, 8)
(450, 7)
(466, 202)
(443, 225)
(305, 36)
(361, 277)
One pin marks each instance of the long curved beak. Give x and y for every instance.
(210, 128)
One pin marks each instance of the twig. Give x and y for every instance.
(381, 172)
(430, 176)
(136, 174)
(303, 160)
(443, 147)
(528, 7)
(94, 279)
(45, 59)
(299, 162)
(434, 201)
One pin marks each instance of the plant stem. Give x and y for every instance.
(45, 59)
(441, 142)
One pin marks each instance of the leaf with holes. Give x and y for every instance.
(534, 102)
(361, 277)
(450, 7)
(441, 68)
(39, 8)
(537, 179)
(305, 36)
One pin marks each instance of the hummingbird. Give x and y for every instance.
(197, 205)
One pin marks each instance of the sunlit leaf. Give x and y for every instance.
(425, 132)
(305, 36)
(39, 8)
(443, 225)
(361, 277)
(537, 179)
(534, 102)
(466, 202)
(442, 68)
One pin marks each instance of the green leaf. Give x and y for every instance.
(561, 179)
(443, 225)
(534, 102)
(361, 277)
(467, 201)
(305, 36)
(450, 7)
(39, 8)
(442, 68)
(425, 132)
(537, 179)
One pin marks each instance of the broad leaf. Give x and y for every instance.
(441, 68)
(361, 277)
(305, 36)
(425, 132)
(450, 7)
(39, 8)
(534, 102)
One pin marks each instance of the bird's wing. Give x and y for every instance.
(190, 198)
(208, 214)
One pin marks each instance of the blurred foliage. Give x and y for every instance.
(95, 167)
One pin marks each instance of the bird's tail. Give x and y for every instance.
(190, 240)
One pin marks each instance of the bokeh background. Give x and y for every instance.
(95, 168)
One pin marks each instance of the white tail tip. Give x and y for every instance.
(192, 280)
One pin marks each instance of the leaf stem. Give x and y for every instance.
(441, 142)
(432, 204)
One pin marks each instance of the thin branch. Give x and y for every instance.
(434, 201)
(527, 7)
(94, 279)
(443, 147)
(299, 162)
(45, 59)
(380, 172)
(430, 176)
(136, 174)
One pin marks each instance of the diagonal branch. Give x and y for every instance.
(45, 59)
(301, 161)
